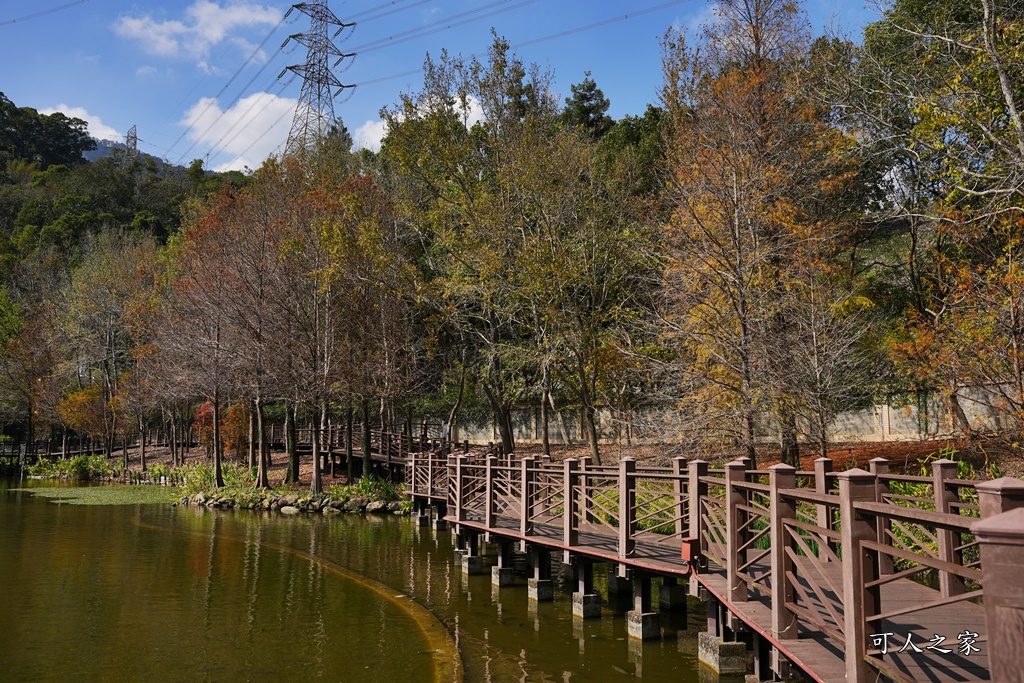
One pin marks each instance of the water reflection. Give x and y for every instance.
(251, 591)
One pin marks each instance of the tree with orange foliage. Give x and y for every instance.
(755, 180)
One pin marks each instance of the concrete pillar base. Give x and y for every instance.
(586, 605)
(440, 524)
(643, 625)
(422, 520)
(721, 657)
(672, 599)
(472, 564)
(502, 576)
(540, 590)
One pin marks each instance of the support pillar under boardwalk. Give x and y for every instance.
(586, 603)
(642, 622)
(422, 513)
(502, 574)
(620, 592)
(472, 560)
(539, 587)
(672, 596)
(721, 657)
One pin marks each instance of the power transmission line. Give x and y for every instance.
(437, 27)
(440, 25)
(231, 80)
(43, 13)
(220, 59)
(550, 36)
(373, 11)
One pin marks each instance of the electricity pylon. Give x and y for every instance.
(131, 147)
(314, 114)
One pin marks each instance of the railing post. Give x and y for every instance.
(735, 472)
(784, 626)
(880, 467)
(529, 475)
(698, 491)
(492, 462)
(859, 568)
(570, 507)
(584, 502)
(679, 494)
(460, 511)
(1001, 537)
(430, 472)
(949, 540)
(822, 470)
(1000, 495)
(627, 506)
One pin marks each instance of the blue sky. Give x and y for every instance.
(167, 67)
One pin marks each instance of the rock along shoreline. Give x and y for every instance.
(292, 504)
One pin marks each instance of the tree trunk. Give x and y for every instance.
(956, 412)
(349, 418)
(289, 444)
(589, 418)
(458, 404)
(367, 460)
(262, 475)
(142, 443)
(171, 441)
(316, 484)
(252, 437)
(566, 437)
(218, 447)
(545, 389)
(748, 434)
(787, 438)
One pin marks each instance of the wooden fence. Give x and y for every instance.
(836, 558)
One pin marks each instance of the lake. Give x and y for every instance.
(147, 591)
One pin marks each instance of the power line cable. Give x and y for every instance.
(233, 102)
(220, 59)
(534, 41)
(439, 25)
(246, 87)
(253, 115)
(387, 13)
(552, 36)
(43, 13)
(231, 80)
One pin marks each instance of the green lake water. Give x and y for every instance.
(149, 592)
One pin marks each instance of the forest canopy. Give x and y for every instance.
(800, 226)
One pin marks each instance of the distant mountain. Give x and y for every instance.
(112, 148)
(104, 148)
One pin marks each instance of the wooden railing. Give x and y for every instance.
(820, 545)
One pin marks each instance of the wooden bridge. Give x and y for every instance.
(855, 576)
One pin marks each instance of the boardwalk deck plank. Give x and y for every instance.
(814, 652)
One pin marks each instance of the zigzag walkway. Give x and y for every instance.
(817, 654)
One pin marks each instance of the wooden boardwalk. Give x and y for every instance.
(817, 564)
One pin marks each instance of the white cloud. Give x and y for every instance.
(250, 131)
(97, 128)
(369, 135)
(706, 15)
(204, 25)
